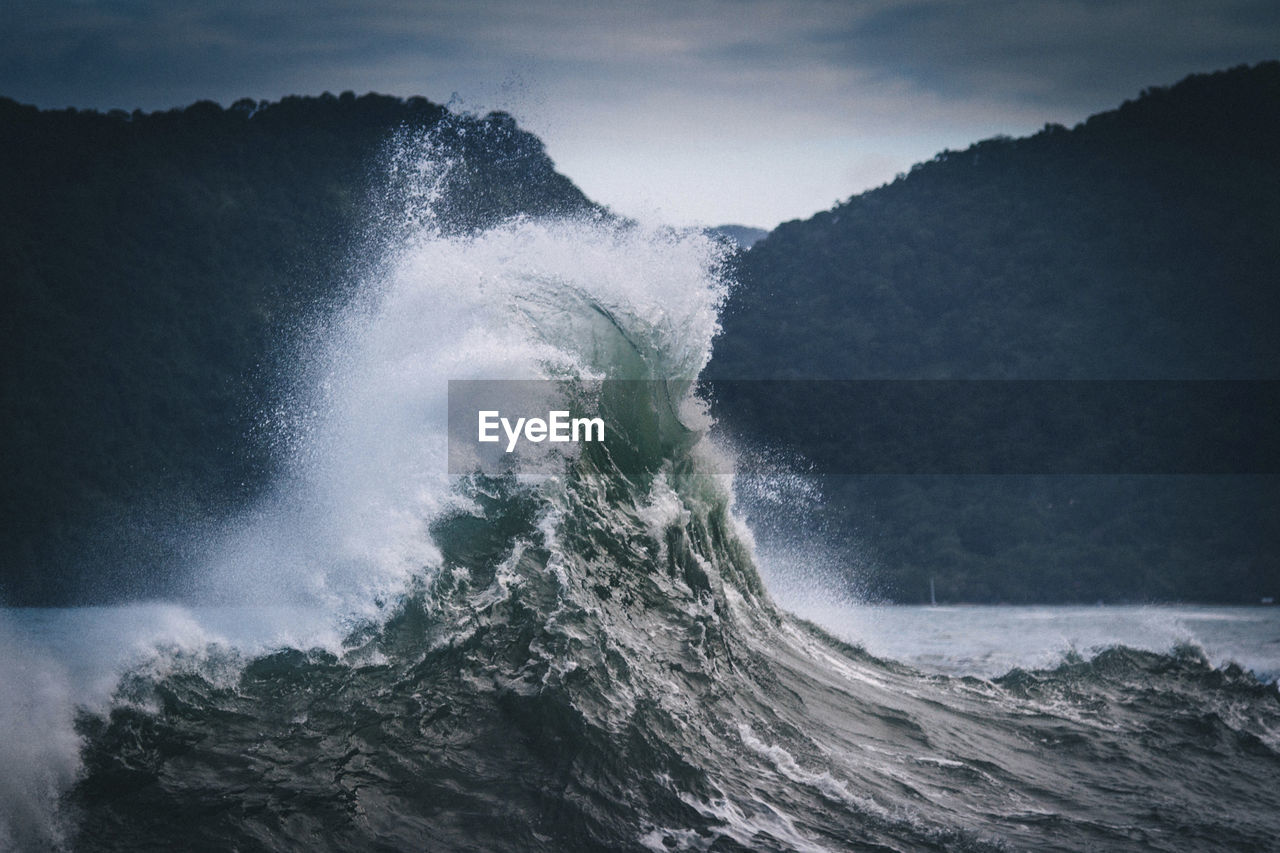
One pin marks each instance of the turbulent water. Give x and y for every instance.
(989, 641)
(588, 659)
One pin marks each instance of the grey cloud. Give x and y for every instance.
(154, 54)
(1065, 52)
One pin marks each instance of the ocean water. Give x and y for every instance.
(159, 708)
(383, 656)
(988, 641)
(93, 646)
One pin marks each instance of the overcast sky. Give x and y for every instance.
(691, 111)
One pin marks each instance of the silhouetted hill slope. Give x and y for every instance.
(1143, 243)
(153, 266)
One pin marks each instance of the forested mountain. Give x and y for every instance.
(1143, 243)
(158, 268)
(154, 266)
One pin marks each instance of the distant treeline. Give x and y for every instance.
(156, 267)
(1143, 243)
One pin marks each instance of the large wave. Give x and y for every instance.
(587, 659)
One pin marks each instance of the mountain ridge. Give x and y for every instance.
(1056, 192)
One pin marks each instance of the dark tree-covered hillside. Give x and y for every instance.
(1143, 243)
(154, 266)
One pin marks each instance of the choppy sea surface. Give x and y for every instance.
(958, 728)
(988, 641)
(93, 645)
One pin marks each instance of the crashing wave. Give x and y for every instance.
(587, 660)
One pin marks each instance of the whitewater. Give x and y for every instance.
(585, 657)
